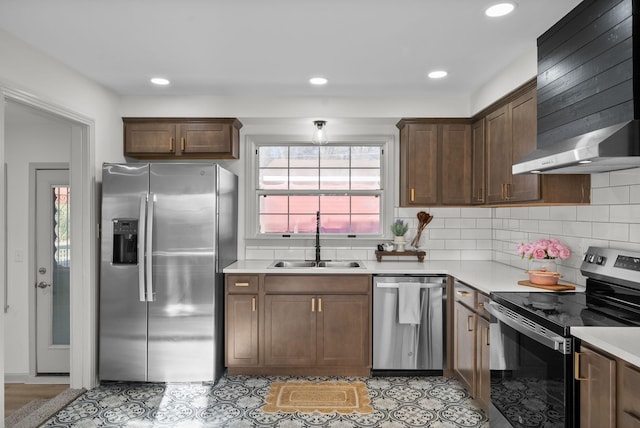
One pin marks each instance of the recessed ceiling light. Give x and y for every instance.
(438, 74)
(161, 81)
(499, 9)
(318, 81)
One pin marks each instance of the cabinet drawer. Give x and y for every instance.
(317, 284)
(242, 284)
(465, 295)
(483, 301)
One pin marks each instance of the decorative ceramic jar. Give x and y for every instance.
(399, 243)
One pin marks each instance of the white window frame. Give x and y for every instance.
(253, 235)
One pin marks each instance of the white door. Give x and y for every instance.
(52, 271)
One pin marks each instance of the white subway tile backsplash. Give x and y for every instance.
(529, 225)
(444, 233)
(634, 194)
(600, 180)
(611, 231)
(593, 213)
(563, 213)
(452, 223)
(539, 213)
(475, 233)
(478, 233)
(624, 177)
(460, 244)
(625, 214)
(634, 233)
(551, 227)
(610, 195)
(576, 228)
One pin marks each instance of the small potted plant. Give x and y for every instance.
(399, 228)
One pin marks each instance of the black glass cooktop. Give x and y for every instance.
(560, 311)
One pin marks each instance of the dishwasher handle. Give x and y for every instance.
(422, 284)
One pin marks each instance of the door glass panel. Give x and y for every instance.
(61, 264)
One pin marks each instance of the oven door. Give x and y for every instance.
(531, 369)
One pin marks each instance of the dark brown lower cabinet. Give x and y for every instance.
(464, 343)
(242, 325)
(483, 356)
(304, 325)
(289, 330)
(596, 373)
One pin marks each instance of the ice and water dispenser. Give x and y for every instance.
(125, 241)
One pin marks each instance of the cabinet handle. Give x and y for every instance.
(487, 337)
(508, 191)
(319, 304)
(241, 284)
(470, 317)
(171, 144)
(479, 199)
(463, 293)
(576, 364)
(253, 304)
(313, 304)
(413, 194)
(182, 144)
(480, 305)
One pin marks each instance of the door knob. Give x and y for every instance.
(43, 284)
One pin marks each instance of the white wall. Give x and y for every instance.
(30, 136)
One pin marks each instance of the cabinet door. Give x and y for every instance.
(464, 337)
(290, 330)
(242, 330)
(523, 187)
(149, 138)
(477, 162)
(206, 138)
(343, 330)
(420, 165)
(483, 375)
(498, 141)
(629, 405)
(597, 376)
(456, 164)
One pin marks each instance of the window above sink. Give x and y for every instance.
(345, 180)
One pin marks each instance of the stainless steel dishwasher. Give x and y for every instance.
(408, 324)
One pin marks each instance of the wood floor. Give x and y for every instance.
(17, 395)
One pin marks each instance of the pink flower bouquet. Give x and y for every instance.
(544, 249)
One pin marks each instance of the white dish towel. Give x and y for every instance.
(409, 303)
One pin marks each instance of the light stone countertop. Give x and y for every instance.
(622, 342)
(485, 276)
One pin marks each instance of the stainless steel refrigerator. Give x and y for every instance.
(167, 231)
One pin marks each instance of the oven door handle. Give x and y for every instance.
(530, 329)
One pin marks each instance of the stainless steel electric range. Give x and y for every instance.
(532, 348)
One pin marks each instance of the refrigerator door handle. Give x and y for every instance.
(141, 245)
(149, 249)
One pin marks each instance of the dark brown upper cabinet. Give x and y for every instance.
(181, 138)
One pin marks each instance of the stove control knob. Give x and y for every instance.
(600, 260)
(586, 257)
(592, 258)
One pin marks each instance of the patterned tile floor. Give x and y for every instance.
(236, 401)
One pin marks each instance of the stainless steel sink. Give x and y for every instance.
(339, 264)
(301, 264)
(293, 264)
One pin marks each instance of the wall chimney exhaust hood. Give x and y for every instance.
(588, 92)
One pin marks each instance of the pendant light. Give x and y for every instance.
(319, 134)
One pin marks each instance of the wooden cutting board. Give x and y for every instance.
(557, 287)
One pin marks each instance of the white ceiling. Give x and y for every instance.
(272, 48)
